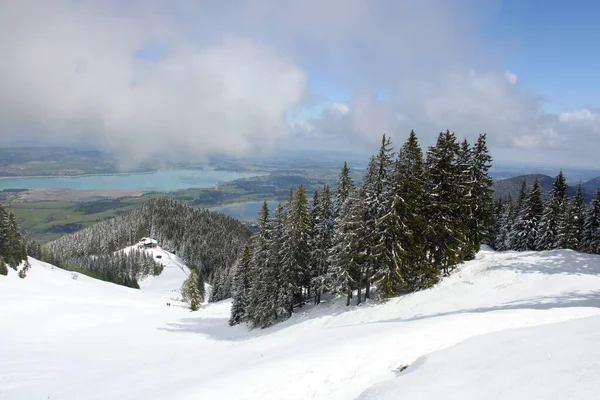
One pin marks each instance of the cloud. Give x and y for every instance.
(71, 70)
(199, 77)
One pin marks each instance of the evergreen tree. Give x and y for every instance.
(479, 196)
(296, 250)
(528, 220)
(190, 291)
(344, 187)
(403, 246)
(514, 238)
(578, 218)
(504, 224)
(567, 230)
(344, 258)
(241, 287)
(445, 186)
(322, 233)
(548, 233)
(591, 232)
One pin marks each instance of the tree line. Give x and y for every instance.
(205, 240)
(412, 219)
(13, 247)
(559, 222)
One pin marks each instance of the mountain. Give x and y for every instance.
(512, 186)
(205, 240)
(590, 187)
(505, 325)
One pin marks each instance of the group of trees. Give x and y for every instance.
(13, 247)
(410, 220)
(210, 241)
(559, 222)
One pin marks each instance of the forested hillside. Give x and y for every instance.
(412, 220)
(206, 241)
(559, 222)
(13, 248)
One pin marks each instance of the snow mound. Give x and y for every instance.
(506, 325)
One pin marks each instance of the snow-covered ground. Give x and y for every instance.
(507, 325)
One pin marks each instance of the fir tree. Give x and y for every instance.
(548, 233)
(591, 232)
(322, 232)
(479, 196)
(190, 291)
(514, 240)
(241, 287)
(295, 250)
(528, 220)
(504, 224)
(403, 246)
(344, 187)
(444, 184)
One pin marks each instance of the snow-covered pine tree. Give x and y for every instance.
(567, 230)
(514, 239)
(261, 311)
(504, 224)
(479, 196)
(548, 235)
(404, 229)
(295, 250)
(591, 231)
(578, 218)
(241, 287)
(322, 233)
(344, 187)
(492, 235)
(445, 188)
(344, 258)
(190, 291)
(527, 222)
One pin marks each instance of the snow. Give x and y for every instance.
(506, 325)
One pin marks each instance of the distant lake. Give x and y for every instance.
(162, 181)
(247, 211)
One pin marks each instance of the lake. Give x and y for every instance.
(162, 181)
(247, 211)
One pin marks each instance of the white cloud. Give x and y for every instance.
(510, 77)
(577, 116)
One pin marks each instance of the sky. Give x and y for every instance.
(239, 77)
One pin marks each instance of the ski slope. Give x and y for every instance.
(504, 326)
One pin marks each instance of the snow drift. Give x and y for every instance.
(506, 325)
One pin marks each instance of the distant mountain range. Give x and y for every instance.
(511, 186)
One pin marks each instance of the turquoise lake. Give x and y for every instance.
(162, 181)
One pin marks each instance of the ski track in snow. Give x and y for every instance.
(506, 325)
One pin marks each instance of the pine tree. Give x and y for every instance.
(578, 218)
(505, 221)
(514, 240)
(591, 232)
(403, 246)
(261, 310)
(322, 232)
(344, 258)
(567, 230)
(528, 220)
(548, 234)
(479, 196)
(344, 187)
(295, 250)
(444, 185)
(190, 292)
(241, 287)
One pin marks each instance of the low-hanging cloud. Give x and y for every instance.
(205, 77)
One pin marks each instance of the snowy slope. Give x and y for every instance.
(500, 323)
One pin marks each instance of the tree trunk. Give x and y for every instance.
(348, 297)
